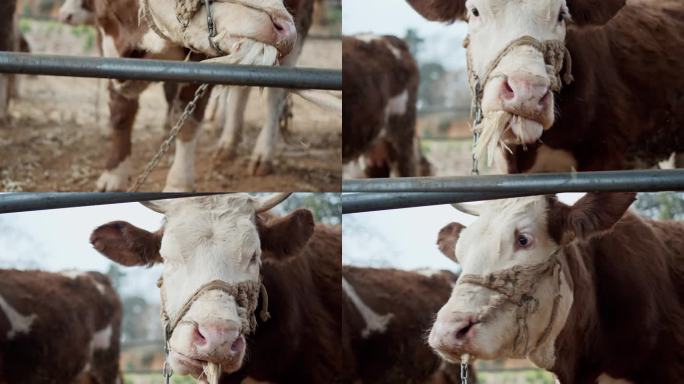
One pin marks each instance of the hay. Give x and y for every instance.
(248, 52)
(491, 131)
(212, 373)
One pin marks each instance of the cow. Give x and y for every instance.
(7, 29)
(380, 90)
(58, 328)
(383, 332)
(216, 253)
(624, 108)
(590, 292)
(243, 27)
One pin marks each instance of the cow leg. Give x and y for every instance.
(181, 176)
(123, 108)
(233, 122)
(7, 8)
(261, 163)
(401, 136)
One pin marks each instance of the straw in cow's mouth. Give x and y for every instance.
(211, 373)
(248, 52)
(493, 132)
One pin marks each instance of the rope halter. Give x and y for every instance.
(245, 293)
(516, 285)
(556, 57)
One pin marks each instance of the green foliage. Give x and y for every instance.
(325, 207)
(661, 206)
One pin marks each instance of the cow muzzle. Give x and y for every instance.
(512, 297)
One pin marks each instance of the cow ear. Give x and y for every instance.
(592, 214)
(127, 244)
(447, 238)
(283, 237)
(440, 10)
(594, 12)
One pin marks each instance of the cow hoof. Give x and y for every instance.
(260, 168)
(225, 153)
(112, 182)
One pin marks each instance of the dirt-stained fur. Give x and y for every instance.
(69, 311)
(401, 353)
(376, 70)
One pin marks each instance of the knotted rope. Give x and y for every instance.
(516, 286)
(246, 295)
(556, 56)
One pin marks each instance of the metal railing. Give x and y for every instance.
(20, 202)
(385, 194)
(167, 70)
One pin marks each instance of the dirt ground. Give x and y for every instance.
(58, 136)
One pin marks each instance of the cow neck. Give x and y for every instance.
(556, 56)
(516, 285)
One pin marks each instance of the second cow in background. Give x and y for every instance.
(379, 115)
(386, 314)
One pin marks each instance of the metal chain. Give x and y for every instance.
(477, 119)
(464, 368)
(189, 110)
(211, 28)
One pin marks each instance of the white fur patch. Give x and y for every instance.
(18, 322)
(606, 379)
(374, 322)
(116, 179)
(108, 45)
(398, 104)
(153, 43)
(428, 272)
(102, 338)
(181, 176)
(72, 273)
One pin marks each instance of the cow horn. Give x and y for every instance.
(466, 209)
(158, 206)
(266, 203)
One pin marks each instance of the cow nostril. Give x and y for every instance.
(507, 91)
(199, 338)
(545, 98)
(237, 345)
(463, 332)
(278, 26)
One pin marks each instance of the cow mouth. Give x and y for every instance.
(184, 363)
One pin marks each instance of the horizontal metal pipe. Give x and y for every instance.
(369, 202)
(167, 70)
(20, 202)
(533, 184)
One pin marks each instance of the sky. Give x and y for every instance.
(56, 240)
(394, 17)
(404, 238)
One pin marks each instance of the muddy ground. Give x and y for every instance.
(58, 136)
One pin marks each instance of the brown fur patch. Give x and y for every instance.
(283, 237)
(69, 311)
(594, 12)
(447, 239)
(440, 10)
(127, 244)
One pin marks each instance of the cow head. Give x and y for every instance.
(220, 237)
(247, 31)
(517, 98)
(517, 235)
(77, 12)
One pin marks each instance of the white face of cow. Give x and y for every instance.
(77, 12)
(520, 84)
(508, 233)
(205, 239)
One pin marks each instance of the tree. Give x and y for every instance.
(325, 207)
(414, 41)
(662, 205)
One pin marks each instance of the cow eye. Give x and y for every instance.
(475, 12)
(524, 240)
(254, 259)
(561, 16)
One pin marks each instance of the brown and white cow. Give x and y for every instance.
(587, 291)
(58, 328)
(385, 315)
(244, 27)
(380, 89)
(232, 239)
(624, 108)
